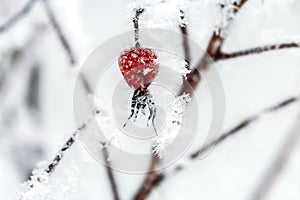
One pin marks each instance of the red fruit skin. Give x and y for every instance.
(139, 66)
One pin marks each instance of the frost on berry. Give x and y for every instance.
(139, 66)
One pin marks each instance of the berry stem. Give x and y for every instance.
(135, 20)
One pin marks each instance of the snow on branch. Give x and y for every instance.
(135, 20)
(160, 14)
(110, 173)
(174, 114)
(185, 44)
(40, 175)
(257, 50)
(231, 132)
(193, 79)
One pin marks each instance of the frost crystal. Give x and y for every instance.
(161, 14)
(174, 120)
(37, 187)
(174, 63)
(105, 120)
(226, 15)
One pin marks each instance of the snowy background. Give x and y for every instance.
(37, 83)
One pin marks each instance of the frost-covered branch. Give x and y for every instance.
(110, 173)
(43, 174)
(231, 132)
(193, 79)
(257, 50)
(185, 44)
(135, 21)
(18, 16)
(277, 165)
(57, 28)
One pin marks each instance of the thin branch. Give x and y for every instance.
(18, 16)
(278, 164)
(213, 51)
(56, 160)
(105, 152)
(185, 43)
(68, 144)
(244, 124)
(150, 181)
(193, 80)
(135, 20)
(110, 173)
(57, 28)
(257, 50)
(231, 132)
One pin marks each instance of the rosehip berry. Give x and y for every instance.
(139, 66)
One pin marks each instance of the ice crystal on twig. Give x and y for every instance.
(227, 14)
(174, 119)
(160, 13)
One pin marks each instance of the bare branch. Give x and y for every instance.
(231, 132)
(257, 50)
(150, 181)
(244, 124)
(18, 16)
(278, 164)
(105, 152)
(110, 173)
(57, 28)
(185, 44)
(193, 80)
(58, 157)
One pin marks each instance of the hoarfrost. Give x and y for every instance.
(105, 120)
(37, 187)
(161, 13)
(175, 112)
(174, 63)
(226, 15)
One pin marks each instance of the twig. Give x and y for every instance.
(150, 181)
(277, 165)
(62, 38)
(105, 152)
(56, 160)
(193, 80)
(213, 51)
(66, 146)
(257, 50)
(135, 20)
(243, 124)
(185, 44)
(18, 16)
(231, 132)
(110, 173)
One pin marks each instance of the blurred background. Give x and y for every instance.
(38, 70)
